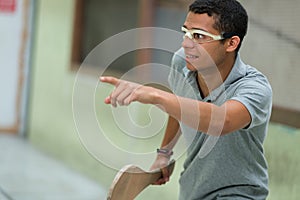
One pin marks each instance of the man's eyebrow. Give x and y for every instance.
(195, 28)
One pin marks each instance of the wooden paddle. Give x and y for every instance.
(132, 180)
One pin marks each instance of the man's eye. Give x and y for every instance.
(198, 36)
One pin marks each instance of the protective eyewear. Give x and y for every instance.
(200, 36)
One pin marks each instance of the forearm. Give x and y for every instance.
(199, 115)
(172, 133)
(202, 116)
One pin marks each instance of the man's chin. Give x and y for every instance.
(200, 67)
(191, 67)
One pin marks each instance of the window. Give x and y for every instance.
(97, 20)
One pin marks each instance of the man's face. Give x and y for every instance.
(206, 55)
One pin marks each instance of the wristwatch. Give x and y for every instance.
(165, 152)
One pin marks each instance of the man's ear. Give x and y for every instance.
(232, 43)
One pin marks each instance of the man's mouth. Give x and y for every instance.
(191, 56)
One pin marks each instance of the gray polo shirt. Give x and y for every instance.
(235, 168)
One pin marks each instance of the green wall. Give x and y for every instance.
(51, 125)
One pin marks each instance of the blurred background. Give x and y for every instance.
(44, 42)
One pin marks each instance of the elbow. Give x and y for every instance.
(231, 125)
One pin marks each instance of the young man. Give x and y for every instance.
(216, 94)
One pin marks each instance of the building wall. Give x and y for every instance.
(51, 125)
(273, 46)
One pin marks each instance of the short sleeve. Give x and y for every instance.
(177, 64)
(256, 95)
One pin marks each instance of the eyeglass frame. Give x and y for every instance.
(190, 34)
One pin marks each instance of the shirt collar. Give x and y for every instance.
(238, 71)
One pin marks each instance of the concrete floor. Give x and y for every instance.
(27, 174)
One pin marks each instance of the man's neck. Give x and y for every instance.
(215, 76)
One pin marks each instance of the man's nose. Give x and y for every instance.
(187, 42)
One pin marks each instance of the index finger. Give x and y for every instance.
(109, 79)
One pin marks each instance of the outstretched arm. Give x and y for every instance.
(202, 116)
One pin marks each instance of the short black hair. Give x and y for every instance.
(230, 16)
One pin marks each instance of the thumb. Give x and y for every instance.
(165, 174)
(107, 100)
